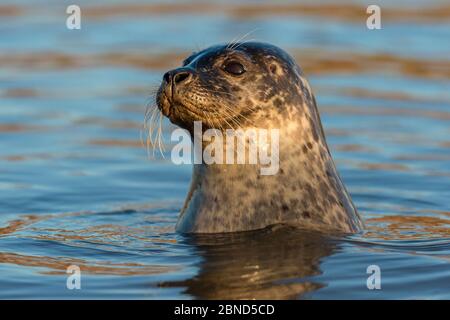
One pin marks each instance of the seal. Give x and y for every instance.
(247, 85)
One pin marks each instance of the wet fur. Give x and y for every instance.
(272, 93)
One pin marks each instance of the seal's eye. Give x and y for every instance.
(234, 68)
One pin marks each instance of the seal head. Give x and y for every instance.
(256, 85)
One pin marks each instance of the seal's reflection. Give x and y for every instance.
(268, 264)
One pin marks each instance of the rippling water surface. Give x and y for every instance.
(77, 186)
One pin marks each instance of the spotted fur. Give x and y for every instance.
(272, 93)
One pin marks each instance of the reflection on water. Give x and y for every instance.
(269, 264)
(136, 248)
(77, 187)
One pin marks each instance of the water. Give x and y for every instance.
(77, 187)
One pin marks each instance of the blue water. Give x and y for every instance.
(78, 188)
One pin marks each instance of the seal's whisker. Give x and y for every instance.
(149, 134)
(219, 91)
(223, 111)
(232, 42)
(154, 140)
(210, 119)
(231, 117)
(152, 123)
(242, 43)
(144, 125)
(226, 121)
(157, 136)
(230, 114)
(237, 117)
(160, 139)
(235, 42)
(249, 121)
(207, 119)
(151, 129)
(240, 143)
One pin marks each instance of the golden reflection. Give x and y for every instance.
(341, 11)
(21, 93)
(269, 264)
(116, 143)
(16, 225)
(59, 265)
(353, 147)
(385, 111)
(108, 123)
(399, 227)
(276, 263)
(10, 10)
(313, 62)
(399, 95)
(104, 234)
(15, 127)
(384, 166)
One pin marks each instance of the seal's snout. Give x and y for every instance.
(178, 77)
(175, 83)
(173, 89)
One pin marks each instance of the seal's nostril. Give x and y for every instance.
(166, 77)
(180, 77)
(177, 76)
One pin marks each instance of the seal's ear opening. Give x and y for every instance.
(273, 68)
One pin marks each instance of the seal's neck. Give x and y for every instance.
(305, 189)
